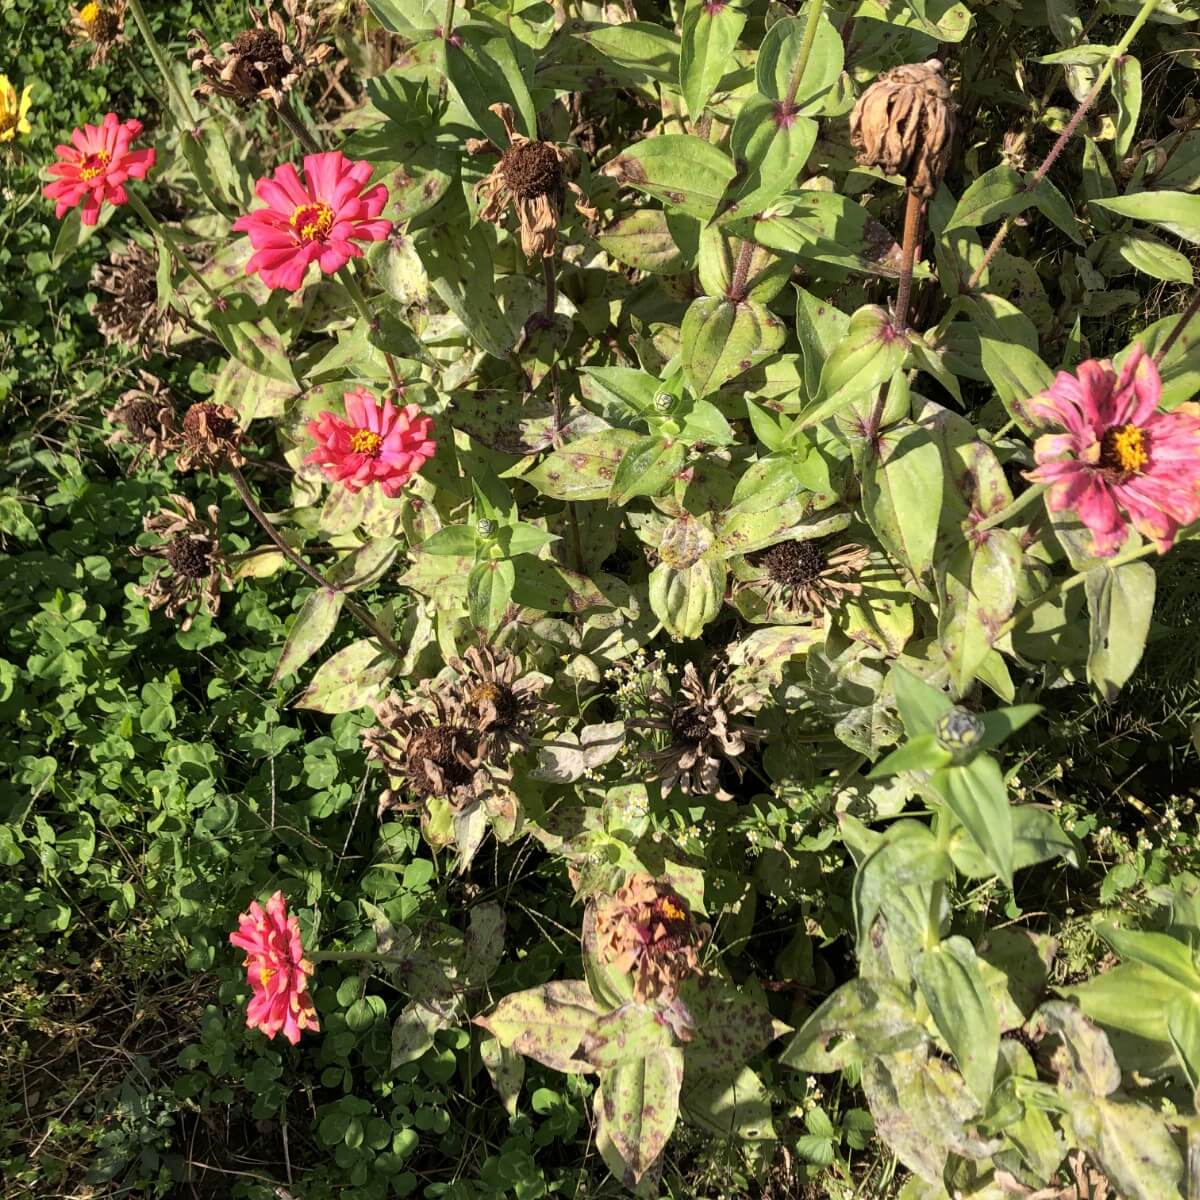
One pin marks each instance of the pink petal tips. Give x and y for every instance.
(316, 220)
(94, 168)
(387, 445)
(276, 970)
(1119, 461)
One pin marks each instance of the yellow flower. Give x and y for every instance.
(12, 110)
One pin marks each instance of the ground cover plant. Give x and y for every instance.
(601, 600)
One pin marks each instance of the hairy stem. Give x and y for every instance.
(160, 60)
(1180, 325)
(815, 8)
(297, 128)
(1026, 498)
(551, 287)
(741, 272)
(448, 21)
(355, 609)
(1068, 132)
(912, 221)
(359, 300)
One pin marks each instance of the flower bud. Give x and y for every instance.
(485, 527)
(958, 730)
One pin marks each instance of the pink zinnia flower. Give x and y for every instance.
(318, 220)
(95, 166)
(387, 445)
(1120, 461)
(276, 970)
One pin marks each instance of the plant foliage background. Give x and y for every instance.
(892, 773)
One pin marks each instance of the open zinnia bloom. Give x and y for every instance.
(276, 970)
(387, 445)
(1120, 461)
(93, 169)
(14, 110)
(318, 219)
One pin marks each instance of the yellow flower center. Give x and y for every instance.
(1123, 448)
(265, 975)
(89, 14)
(363, 441)
(312, 222)
(669, 909)
(94, 164)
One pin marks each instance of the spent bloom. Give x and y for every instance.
(192, 567)
(276, 970)
(318, 219)
(1120, 461)
(94, 168)
(13, 110)
(100, 25)
(129, 313)
(387, 445)
(646, 930)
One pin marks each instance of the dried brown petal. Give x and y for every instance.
(210, 438)
(193, 565)
(810, 576)
(145, 417)
(100, 24)
(129, 314)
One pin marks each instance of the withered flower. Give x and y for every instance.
(100, 24)
(145, 417)
(428, 744)
(502, 707)
(808, 576)
(535, 178)
(260, 63)
(130, 315)
(209, 438)
(646, 930)
(702, 734)
(904, 125)
(193, 567)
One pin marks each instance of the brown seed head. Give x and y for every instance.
(794, 564)
(904, 125)
(263, 47)
(532, 169)
(190, 556)
(209, 437)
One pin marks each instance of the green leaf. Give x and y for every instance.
(976, 795)
(820, 326)
(1150, 256)
(1158, 950)
(72, 233)
(1183, 1027)
(953, 987)
(1130, 996)
(1176, 212)
(1002, 723)
(921, 753)
(454, 262)
(780, 52)
(642, 239)
(489, 593)
(920, 704)
(1132, 1147)
(583, 469)
(908, 854)
(684, 172)
(546, 1023)
(1037, 838)
(722, 339)
(483, 70)
(1127, 92)
(996, 193)
(710, 33)
(349, 680)
(978, 592)
(903, 488)
(647, 468)
(869, 355)
(642, 50)
(315, 621)
(1121, 606)
(1016, 373)
(769, 149)
(731, 1104)
(638, 1104)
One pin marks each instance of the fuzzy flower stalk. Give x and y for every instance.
(320, 218)
(384, 445)
(93, 169)
(276, 970)
(1119, 461)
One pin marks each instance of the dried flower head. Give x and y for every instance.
(427, 742)
(809, 576)
(534, 177)
(263, 62)
(646, 930)
(702, 734)
(209, 438)
(193, 567)
(904, 125)
(130, 315)
(501, 702)
(100, 25)
(145, 417)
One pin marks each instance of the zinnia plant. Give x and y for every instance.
(1120, 461)
(276, 970)
(385, 445)
(318, 219)
(14, 110)
(93, 169)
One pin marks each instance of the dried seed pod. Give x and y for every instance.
(193, 566)
(100, 25)
(145, 417)
(810, 576)
(904, 125)
(130, 314)
(209, 438)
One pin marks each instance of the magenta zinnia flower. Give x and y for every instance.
(276, 970)
(387, 445)
(95, 166)
(318, 220)
(1120, 460)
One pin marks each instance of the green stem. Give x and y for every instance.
(159, 230)
(300, 131)
(350, 283)
(1026, 498)
(448, 21)
(1068, 132)
(1071, 583)
(160, 60)
(815, 8)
